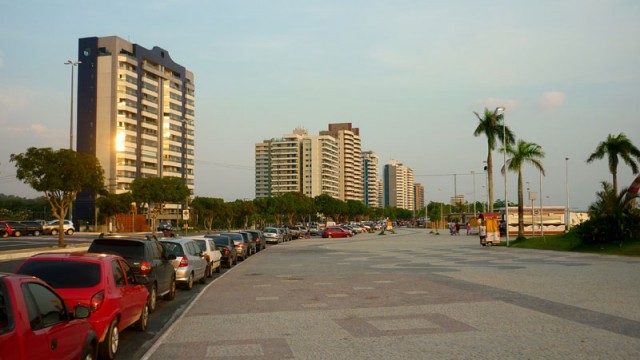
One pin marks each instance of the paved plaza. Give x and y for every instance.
(412, 295)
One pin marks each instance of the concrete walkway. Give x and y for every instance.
(412, 295)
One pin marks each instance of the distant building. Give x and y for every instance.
(136, 114)
(418, 196)
(456, 200)
(297, 162)
(370, 181)
(350, 162)
(398, 186)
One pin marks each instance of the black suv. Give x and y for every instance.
(227, 249)
(147, 257)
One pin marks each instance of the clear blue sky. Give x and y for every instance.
(409, 74)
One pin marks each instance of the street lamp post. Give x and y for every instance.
(541, 222)
(566, 186)
(73, 65)
(506, 171)
(474, 193)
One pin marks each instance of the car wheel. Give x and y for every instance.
(36, 233)
(172, 290)
(5, 234)
(54, 232)
(109, 346)
(189, 284)
(204, 277)
(89, 352)
(219, 268)
(17, 233)
(69, 232)
(143, 321)
(229, 263)
(209, 271)
(329, 236)
(152, 297)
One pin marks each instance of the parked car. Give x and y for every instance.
(211, 254)
(293, 230)
(258, 236)
(105, 283)
(273, 235)
(5, 229)
(314, 230)
(242, 248)
(190, 264)
(336, 232)
(164, 225)
(251, 240)
(227, 249)
(287, 235)
(33, 316)
(148, 259)
(32, 227)
(17, 229)
(52, 227)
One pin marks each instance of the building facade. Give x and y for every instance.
(350, 166)
(370, 180)
(418, 196)
(297, 162)
(398, 186)
(136, 114)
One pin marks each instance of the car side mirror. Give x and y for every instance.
(81, 312)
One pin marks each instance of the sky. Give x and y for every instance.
(408, 73)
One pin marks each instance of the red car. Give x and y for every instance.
(336, 232)
(105, 283)
(35, 323)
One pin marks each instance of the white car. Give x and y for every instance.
(52, 227)
(211, 253)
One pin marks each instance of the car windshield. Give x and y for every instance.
(173, 248)
(126, 249)
(270, 231)
(56, 273)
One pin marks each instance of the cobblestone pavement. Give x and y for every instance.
(413, 295)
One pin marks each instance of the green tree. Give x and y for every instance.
(245, 211)
(355, 210)
(60, 175)
(491, 126)
(328, 206)
(523, 153)
(228, 214)
(265, 208)
(207, 209)
(613, 148)
(612, 218)
(111, 205)
(156, 192)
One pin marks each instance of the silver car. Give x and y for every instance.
(190, 264)
(273, 235)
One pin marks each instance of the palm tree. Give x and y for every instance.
(523, 152)
(491, 125)
(614, 147)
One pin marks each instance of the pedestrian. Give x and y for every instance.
(483, 234)
(468, 228)
(457, 228)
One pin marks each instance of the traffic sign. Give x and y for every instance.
(185, 214)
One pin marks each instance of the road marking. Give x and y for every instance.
(267, 298)
(416, 292)
(363, 288)
(262, 285)
(315, 305)
(336, 295)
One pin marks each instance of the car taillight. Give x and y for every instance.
(145, 267)
(184, 262)
(97, 300)
(207, 257)
(226, 252)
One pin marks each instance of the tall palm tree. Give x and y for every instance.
(614, 147)
(524, 152)
(491, 126)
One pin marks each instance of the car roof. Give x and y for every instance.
(127, 237)
(74, 256)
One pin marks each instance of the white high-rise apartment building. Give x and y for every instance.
(297, 162)
(350, 156)
(370, 181)
(398, 185)
(136, 114)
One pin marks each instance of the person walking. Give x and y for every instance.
(482, 230)
(468, 228)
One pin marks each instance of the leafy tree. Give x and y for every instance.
(612, 218)
(245, 211)
(228, 214)
(156, 192)
(355, 210)
(61, 175)
(524, 152)
(328, 206)
(617, 147)
(265, 208)
(111, 204)
(491, 126)
(208, 209)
